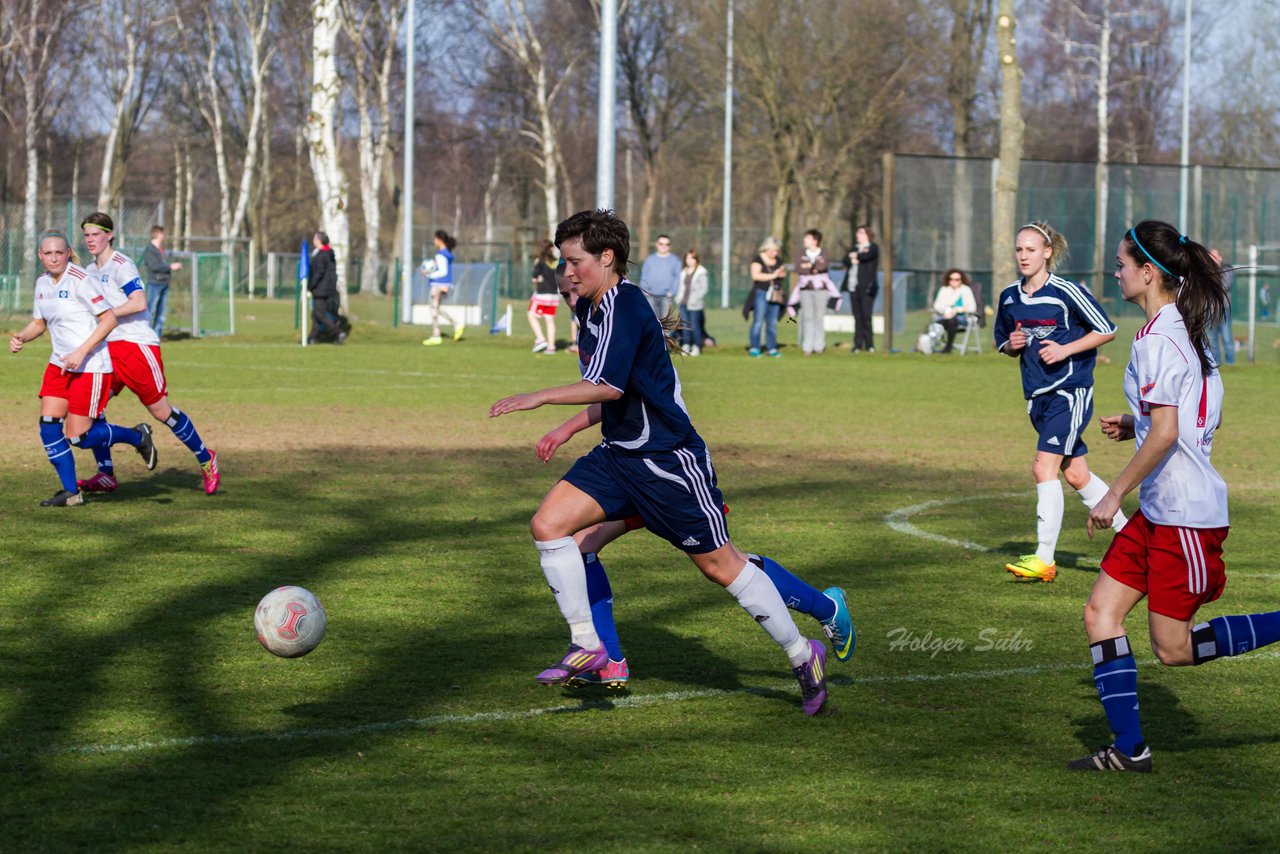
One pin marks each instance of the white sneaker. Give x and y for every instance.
(540, 346)
(695, 350)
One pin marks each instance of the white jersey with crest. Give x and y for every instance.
(119, 278)
(69, 308)
(1184, 490)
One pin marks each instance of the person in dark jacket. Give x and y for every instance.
(322, 282)
(864, 261)
(156, 263)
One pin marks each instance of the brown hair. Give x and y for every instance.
(955, 271)
(1187, 269)
(101, 220)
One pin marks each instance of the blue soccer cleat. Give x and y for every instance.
(839, 629)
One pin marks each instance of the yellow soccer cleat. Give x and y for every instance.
(1032, 568)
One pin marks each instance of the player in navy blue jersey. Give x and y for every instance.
(651, 461)
(1054, 327)
(830, 608)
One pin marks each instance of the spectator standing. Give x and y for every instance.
(544, 300)
(864, 263)
(767, 275)
(954, 301)
(694, 282)
(158, 266)
(1222, 341)
(322, 281)
(660, 277)
(812, 290)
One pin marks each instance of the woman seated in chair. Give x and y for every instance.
(954, 304)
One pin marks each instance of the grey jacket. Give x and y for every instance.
(156, 264)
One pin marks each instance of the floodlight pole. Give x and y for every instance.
(606, 122)
(1186, 120)
(406, 195)
(726, 239)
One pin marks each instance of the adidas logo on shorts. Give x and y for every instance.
(1053, 440)
(690, 541)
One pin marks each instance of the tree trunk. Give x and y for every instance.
(1100, 177)
(1005, 204)
(490, 200)
(322, 134)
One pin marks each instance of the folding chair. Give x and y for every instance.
(973, 333)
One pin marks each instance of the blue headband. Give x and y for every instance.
(1133, 234)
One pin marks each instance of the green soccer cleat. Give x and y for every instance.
(1032, 568)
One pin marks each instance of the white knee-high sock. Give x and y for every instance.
(759, 598)
(1092, 493)
(1048, 518)
(567, 577)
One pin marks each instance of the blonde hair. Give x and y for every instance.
(1052, 238)
(59, 235)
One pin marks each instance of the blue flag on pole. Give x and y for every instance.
(304, 262)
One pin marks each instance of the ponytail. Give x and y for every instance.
(1188, 269)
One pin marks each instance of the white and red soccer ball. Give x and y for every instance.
(289, 621)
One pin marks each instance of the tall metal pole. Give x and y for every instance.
(1186, 120)
(726, 240)
(606, 122)
(406, 195)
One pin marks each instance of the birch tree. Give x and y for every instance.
(1005, 204)
(35, 27)
(128, 48)
(512, 31)
(373, 27)
(222, 35)
(322, 132)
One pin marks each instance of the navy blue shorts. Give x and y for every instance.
(1061, 417)
(674, 492)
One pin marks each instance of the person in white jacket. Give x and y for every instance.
(954, 301)
(692, 301)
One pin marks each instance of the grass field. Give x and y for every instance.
(137, 712)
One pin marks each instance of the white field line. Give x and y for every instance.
(594, 703)
(900, 521)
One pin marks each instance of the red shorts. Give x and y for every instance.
(1179, 569)
(85, 394)
(137, 367)
(544, 305)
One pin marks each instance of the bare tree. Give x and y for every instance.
(128, 47)
(1004, 208)
(35, 28)
(322, 131)
(373, 27)
(970, 26)
(661, 85)
(512, 30)
(222, 34)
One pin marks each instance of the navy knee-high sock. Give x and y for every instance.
(58, 450)
(103, 435)
(1115, 673)
(102, 456)
(600, 595)
(1234, 635)
(182, 427)
(798, 594)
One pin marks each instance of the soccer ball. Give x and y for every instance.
(289, 621)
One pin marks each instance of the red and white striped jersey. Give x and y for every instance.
(1184, 490)
(70, 308)
(119, 278)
